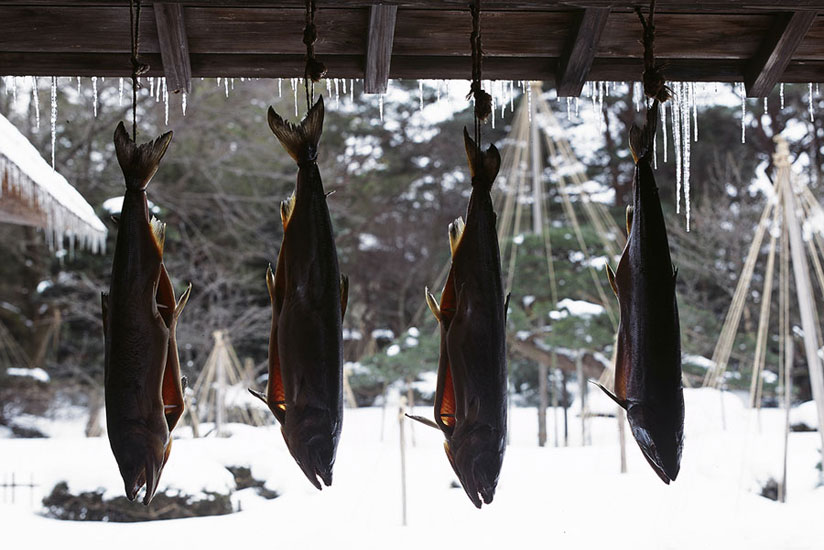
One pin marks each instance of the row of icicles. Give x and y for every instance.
(683, 113)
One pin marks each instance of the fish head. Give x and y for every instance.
(312, 439)
(141, 455)
(659, 431)
(476, 454)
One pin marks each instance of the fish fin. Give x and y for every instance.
(434, 307)
(629, 214)
(445, 398)
(424, 421)
(344, 294)
(611, 277)
(259, 395)
(286, 208)
(621, 403)
(641, 139)
(456, 230)
(506, 305)
(139, 162)
(483, 169)
(159, 233)
(182, 301)
(299, 140)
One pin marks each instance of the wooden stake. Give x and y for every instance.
(788, 380)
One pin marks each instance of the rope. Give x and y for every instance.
(483, 101)
(654, 83)
(138, 68)
(315, 69)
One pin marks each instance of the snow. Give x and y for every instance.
(698, 361)
(36, 373)
(571, 497)
(579, 308)
(806, 413)
(29, 175)
(114, 205)
(393, 350)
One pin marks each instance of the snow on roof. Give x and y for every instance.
(29, 175)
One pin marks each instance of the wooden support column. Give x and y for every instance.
(174, 46)
(574, 64)
(765, 69)
(379, 48)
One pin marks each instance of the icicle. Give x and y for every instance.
(380, 105)
(217, 82)
(493, 106)
(810, 96)
(694, 121)
(226, 86)
(352, 91)
(14, 88)
(420, 95)
(781, 93)
(601, 106)
(529, 103)
(655, 151)
(165, 103)
(676, 138)
(664, 129)
(337, 92)
(328, 88)
(53, 117)
(295, 91)
(232, 83)
(183, 103)
(37, 101)
(569, 105)
(686, 100)
(78, 85)
(343, 85)
(158, 89)
(765, 105)
(511, 95)
(280, 88)
(120, 92)
(743, 94)
(151, 86)
(94, 94)
(577, 106)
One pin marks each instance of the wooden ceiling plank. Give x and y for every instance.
(574, 65)
(379, 48)
(174, 46)
(776, 51)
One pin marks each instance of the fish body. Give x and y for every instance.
(136, 335)
(648, 359)
(470, 399)
(308, 295)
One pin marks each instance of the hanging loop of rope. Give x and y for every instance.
(483, 101)
(315, 69)
(654, 83)
(138, 68)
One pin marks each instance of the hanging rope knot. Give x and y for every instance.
(653, 78)
(310, 35)
(315, 69)
(483, 101)
(138, 67)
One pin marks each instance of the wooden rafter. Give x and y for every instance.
(785, 35)
(174, 46)
(379, 48)
(574, 65)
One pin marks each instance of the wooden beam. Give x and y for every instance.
(379, 47)
(174, 46)
(776, 51)
(579, 54)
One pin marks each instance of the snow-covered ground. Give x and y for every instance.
(548, 497)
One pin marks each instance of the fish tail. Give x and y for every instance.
(299, 140)
(139, 162)
(483, 165)
(641, 140)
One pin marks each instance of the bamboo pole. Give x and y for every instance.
(401, 418)
(782, 488)
(806, 300)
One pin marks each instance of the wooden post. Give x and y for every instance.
(788, 380)
(554, 394)
(565, 397)
(806, 300)
(583, 395)
(379, 47)
(401, 418)
(622, 438)
(542, 405)
(220, 390)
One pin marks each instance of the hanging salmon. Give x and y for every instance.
(309, 295)
(470, 398)
(144, 396)
(648, 359)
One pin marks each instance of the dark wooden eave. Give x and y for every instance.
(759, 42)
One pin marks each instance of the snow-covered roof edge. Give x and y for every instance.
(67, 212)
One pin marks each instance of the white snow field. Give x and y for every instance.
(550, 497)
